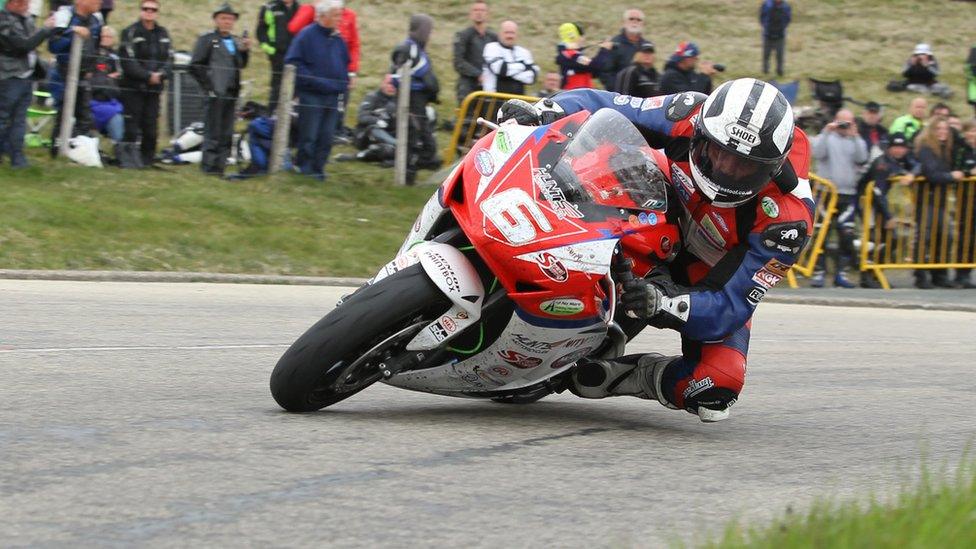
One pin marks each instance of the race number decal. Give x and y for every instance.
(516, 215)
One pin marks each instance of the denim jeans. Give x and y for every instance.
(15, 98)
(317, 116)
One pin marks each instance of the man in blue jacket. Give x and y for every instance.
(774, 15)
(321, 61)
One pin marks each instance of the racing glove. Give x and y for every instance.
(522, 112)
(656, 299)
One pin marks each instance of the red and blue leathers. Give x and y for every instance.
(730, 256)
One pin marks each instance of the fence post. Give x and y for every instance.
(70, 94)
(279, 143)
(403, 124)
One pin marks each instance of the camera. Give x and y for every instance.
(843, 125)
(719, 67)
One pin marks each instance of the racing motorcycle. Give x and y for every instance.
(509, 275)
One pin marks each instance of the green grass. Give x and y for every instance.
(935, 513)
(59, 217)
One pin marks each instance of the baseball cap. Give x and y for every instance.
(872, 106)
(687, 49)
(646, 47)
(897, 140)
(922, 49)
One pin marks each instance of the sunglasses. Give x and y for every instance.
(150, 10)
(638, 19)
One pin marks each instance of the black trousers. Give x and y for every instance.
(218, 133)
(277, 67)
(771, 45)
(141, 110)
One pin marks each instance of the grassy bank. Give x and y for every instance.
(65, 217)
(936, 513)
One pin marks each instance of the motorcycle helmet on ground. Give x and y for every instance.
(742, 136)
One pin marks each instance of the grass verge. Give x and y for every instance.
(936, 512)
(66, 217)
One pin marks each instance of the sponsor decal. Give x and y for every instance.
(711, 232)
(503, 142)
(437, 330)
(484, 163)
(721, 222)
(501, 370)
(789, 234)
(518, 360)
(572, 357)
(446, 271)
(562, 306)
(636, 102)
(543, 347)
(448, 324)
(487, 378)
(462, 315)
(621, 100)
(756, 294)
(695, 387)
(552, 267)
(643, 218)
(653, 103)
(555, 196)
(769, 207)
(684, 187)
(788, 238)
(777, 267)
(765, 278)
(742, 134)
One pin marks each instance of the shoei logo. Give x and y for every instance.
(742, 134)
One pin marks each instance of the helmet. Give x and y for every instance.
(742, 136)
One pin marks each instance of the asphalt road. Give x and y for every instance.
(139, 415)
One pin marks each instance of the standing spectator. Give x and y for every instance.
(895, 162)
(218, 58)
(922, 72)
(105, 105)
(86, 22)
(909, 124)
(274, 39)
(640, 79)
(424, 89)
(934, 149)
(18, 65)
(107, 7)
(469, 48)
(321, 60)
(839, 152)
(971, 77)
(625, 45)
(508, 67)
(774, 16)
(145, 66)
(965, 161)
(550, 85)
(679, 72)
(872, 130)
(577, 68)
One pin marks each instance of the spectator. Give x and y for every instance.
(921, 74)
(469, 48)
(576, 68)
(424, 89)
(105, 105)
(839, 152)
(375, 134)
(971, 77)
(86, 23)
(872, 130)
(273, 37)
(934, 149)
(218, 58)
(895, 162)
(625, 45)
(679, 72)
(550, 85)
(146, 50)
(909, 124)
(774, 16)
(640, 79)
(965, 161)
(321, 61)
(508, 67)
(940, 110)
(18, 68)
(107, 7)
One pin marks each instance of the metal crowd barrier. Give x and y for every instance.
(485, 104)
(932, 227)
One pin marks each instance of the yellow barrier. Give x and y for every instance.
(466, 130)
(931, 227)
(485, 104)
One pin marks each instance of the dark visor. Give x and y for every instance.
(735, 176)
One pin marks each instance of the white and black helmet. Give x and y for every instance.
(742, 136)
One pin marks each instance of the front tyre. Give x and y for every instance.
(339, 356)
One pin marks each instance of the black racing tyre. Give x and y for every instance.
(328, 363)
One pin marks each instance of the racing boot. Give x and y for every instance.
(632, 375)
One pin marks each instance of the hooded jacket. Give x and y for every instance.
(413, 50)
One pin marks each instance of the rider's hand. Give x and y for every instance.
(641, 299)
(527, 114)
(656, 299)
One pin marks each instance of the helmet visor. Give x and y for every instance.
(729, 177)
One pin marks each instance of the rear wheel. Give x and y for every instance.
(340, 355)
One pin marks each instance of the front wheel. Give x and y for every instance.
(340, 355)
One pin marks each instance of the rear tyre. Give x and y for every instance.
(340, 355)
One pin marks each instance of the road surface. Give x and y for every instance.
(139, 414)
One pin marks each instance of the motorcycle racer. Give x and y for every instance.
(739, 168)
